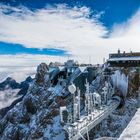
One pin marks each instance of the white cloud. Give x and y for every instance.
(55, 27)
(20, 67)
(70, 29)
(126, 35)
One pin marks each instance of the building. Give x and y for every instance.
(119, 59)
(70, 63)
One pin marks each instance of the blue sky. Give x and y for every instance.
(115, 11)
(61, 27)
(8, 48)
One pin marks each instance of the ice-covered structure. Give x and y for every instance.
(96, 99)
(120, 81)
(96, 107)
(63, 114)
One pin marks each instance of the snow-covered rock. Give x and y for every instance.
(42, 74)
(37, 115)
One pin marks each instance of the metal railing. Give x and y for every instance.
(86, 123)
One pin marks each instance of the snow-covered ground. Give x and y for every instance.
(132, 131)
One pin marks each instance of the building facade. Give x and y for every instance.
(119, 59)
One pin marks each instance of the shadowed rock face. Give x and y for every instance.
(42, 70)
(31, 104)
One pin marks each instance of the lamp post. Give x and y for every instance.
(72, 90)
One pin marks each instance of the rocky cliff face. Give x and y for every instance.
(36, 116)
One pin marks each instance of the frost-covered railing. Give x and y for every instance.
(79, 128)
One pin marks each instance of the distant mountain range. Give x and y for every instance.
(10, 83)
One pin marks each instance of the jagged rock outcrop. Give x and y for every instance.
(31, 104)
(36, 115)
(42, 75)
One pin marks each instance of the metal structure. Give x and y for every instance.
(96, 108)
(63, 114)
(81, 127)
(123, 59)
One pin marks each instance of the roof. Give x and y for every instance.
(124, 58)
(131, 54)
